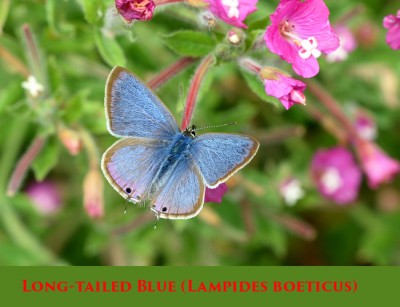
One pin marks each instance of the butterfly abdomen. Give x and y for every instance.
(178, 152)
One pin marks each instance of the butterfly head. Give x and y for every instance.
(190, 131)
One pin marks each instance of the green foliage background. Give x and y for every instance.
(252, 226)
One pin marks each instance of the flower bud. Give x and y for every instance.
(71, 140)
(135, 9)
(235, 37)
(93, 194)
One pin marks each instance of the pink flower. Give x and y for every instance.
(299, 33)
(45, 196)
(392, 23)
(233, 12)
(288, 90)
(347, 44)
(215, 195)
(378, 166)
(135, 9)
(336, 174)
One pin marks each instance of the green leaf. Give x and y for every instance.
(73, 108)
(46, 159)
(4, 9)
(190, 43)
(257, 87)
(11, 94)
(91, 9)
(109, 49)
(51, 15)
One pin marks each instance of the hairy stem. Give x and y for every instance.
(332, 106)
(169, 72)
(194, 89)
(23, 165)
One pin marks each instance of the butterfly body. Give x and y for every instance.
(156, 161)
(178, 152)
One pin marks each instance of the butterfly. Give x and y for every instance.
(154, 160)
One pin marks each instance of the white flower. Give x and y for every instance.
(33, 87)
(291, 191)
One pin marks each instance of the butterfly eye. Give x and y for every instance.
(193, 133)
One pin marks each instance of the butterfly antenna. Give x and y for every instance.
(216, 126)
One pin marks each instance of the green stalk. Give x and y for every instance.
(12, 224)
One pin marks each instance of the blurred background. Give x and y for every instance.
(56, 208)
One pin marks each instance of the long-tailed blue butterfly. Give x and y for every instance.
(154, 160)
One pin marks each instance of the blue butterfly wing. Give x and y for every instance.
(182, 196)
(132, 109)
(131, 164)
(219, 155)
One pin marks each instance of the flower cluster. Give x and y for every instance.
(338, 177)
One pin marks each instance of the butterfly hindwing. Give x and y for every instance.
(182, 197)
(219, 155)
(130, 166)
(132, 109)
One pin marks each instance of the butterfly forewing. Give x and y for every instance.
(219, 155)
(134, 110)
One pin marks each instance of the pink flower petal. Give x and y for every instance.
(286, 89)
(245, 7)
(215, 195)
(378, 166)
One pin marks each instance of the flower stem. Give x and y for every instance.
(194, 89)
(250, 65)
(171, 71)
(332, 106)
(13, 62)
(348, 16)
(295, 225)
(23, 165)
(91, 147)
(328, 123)
(279, 135)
